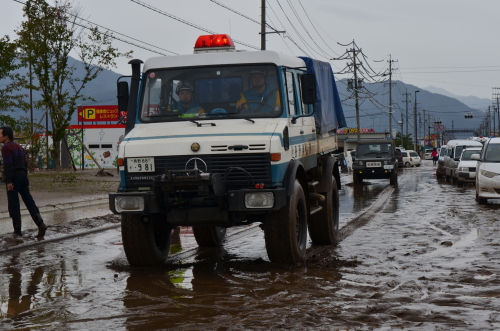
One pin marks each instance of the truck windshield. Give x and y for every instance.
(374, 149)
(215, 92)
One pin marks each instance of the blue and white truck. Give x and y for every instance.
(248, 153)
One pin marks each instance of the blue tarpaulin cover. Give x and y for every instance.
(328, 111)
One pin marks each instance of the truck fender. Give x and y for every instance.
(295, 170)
(329, 167)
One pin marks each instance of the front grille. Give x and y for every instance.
(472, 169)
(258, 165)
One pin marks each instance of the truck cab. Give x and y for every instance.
(253, 143)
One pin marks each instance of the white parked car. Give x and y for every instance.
(454, 150)
(488, 171)
(411, 158)
(467, 167)
(428, 155)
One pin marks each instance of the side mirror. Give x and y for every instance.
(457, 159)
(475, 157)
(122, 96)
(308, 89)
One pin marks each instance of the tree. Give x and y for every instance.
(46, 39)
(11, 82)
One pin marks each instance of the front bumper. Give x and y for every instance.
(202, 210)
(467, 177)
(373, 173)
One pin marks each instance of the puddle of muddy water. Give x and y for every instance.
(58, 217)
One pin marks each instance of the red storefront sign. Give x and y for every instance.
(98, 113)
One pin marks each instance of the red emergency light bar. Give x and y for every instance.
(214, 40)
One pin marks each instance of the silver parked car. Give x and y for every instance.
(467, 166)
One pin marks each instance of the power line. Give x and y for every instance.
(186, 22)
(111, 35)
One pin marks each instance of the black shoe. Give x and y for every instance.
(18, 232)
(41, 230)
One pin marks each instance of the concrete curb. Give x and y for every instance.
(63, 206)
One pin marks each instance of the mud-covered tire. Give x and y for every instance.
(356, 179)
(285, 230)
(393, 180)
(480, 201)
(324, 225)
(145, 245)
(209, 236)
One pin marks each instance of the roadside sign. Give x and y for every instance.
(98, 113)
(438, 127)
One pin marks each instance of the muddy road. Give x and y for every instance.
(423, 256)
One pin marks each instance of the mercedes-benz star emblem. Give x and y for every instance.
(195, 165)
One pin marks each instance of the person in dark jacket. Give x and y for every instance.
(16, 179)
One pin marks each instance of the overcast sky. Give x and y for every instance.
(451, 44)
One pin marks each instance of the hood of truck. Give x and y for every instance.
(180, 138)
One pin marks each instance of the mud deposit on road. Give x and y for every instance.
(423, 256)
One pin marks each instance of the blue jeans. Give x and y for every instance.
(21, 186)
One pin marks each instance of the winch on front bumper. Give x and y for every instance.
(189, 197)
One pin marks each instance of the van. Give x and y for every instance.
(452, 157)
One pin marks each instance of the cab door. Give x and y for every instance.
(302, 130)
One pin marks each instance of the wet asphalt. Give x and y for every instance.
(422, 256)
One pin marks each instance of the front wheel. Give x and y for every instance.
(394, 178)
(285, 230)
(356, 179)
(324, 225)
(209, 236)
(146, 244)
(481, 201)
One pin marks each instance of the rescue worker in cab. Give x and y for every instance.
(186, 103)
(259, 98)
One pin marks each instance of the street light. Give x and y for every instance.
(415, 123)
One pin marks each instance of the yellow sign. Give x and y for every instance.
(89, 113)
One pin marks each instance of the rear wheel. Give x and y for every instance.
(209, 236)
(146, 244)
(285, 231)
(324, 225)
(408, 164)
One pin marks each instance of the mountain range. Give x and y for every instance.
(436, 102)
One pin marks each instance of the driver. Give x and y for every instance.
(186, 104)
(259, 98)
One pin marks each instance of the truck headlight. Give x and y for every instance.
(129, 203)
(259, 200)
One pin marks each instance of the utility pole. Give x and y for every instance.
(424, 110)
(356, 102)
(406, 101)
(415, 123)
(263, 25)
(390, 95)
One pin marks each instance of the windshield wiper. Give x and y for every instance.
(198, 124)
(249, 119)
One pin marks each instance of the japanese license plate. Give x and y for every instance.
(373, 164)
(143, 164)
